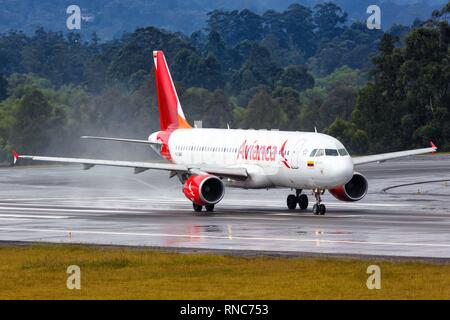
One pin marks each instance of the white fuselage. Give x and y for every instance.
(272, 158)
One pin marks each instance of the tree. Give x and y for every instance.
(408, 99)
(354, 139)
(311, 102)
(32, 119)
(296, 77)
(351, 48)
(263, 112)
(235, 26)
(219, 111)
(330, 20)
(257, 70)
(338, 104)
(3, 87)
(191, 69)
(299, 24)
(289, 101)
(195, 103)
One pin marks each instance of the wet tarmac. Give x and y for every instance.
(112, 206)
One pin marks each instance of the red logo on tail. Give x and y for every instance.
(171, 115)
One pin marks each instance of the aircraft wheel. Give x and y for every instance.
(322, 209)
(316, 209)
(303, 201)
(197, 207)
(291, 201)
(209, 207)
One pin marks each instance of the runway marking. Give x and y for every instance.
(307, 214)
(362, 204)
(191, 236)
(106, 210)
(251, 218)
(32, 216)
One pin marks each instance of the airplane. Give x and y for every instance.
(207, 161)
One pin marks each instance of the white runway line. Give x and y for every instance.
(105, 210)
(34, 216)
(250, 218)
(309, 215)
(190, 236)
(362, 204)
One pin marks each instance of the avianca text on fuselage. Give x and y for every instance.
(261, 152)
(257, 152)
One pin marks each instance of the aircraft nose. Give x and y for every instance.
(343, 170)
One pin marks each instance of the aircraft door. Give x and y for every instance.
(297, 154)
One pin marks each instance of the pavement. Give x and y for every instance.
(406, 213)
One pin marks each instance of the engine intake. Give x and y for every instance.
(205, 189)
(354, 190)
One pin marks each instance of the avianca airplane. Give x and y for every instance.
(206, 161)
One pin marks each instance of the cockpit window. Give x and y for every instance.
(320, 153)
(343, 152)
(313, 153)
(331, 152)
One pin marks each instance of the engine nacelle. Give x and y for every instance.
(204, 189)
(354, 190)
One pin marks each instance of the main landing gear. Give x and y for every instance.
(198, 208)
(302, 201)
(298, 198)
(319, 208)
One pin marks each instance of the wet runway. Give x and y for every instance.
(113, 206)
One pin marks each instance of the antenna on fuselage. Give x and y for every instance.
(315, 129)
(198, 124)
(228, 126)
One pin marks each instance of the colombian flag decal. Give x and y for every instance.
(310, 164)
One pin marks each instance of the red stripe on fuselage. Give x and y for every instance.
(164, 137)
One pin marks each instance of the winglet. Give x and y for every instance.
(433, 145)
(15, 156)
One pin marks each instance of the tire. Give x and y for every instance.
(291, 201)
(303, 201)
(315, 209)
(322, 209)
(197, 207)
(209, 207)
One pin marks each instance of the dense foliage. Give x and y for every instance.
(110, 18)
(293, 70)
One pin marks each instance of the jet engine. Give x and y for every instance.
(204, 189)
(354, 190)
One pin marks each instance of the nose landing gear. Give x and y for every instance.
(318, 207)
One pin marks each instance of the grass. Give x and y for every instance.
(39, 272)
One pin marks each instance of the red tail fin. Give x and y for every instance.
(171, 115)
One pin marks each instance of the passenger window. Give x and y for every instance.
(313, 153)
(343, 152)
(331, 152)
(320, 153)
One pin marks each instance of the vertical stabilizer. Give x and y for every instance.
(171, 114)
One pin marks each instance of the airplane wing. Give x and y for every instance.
(234, 173)
(392, 155)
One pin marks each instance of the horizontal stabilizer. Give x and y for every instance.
(122, 140)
